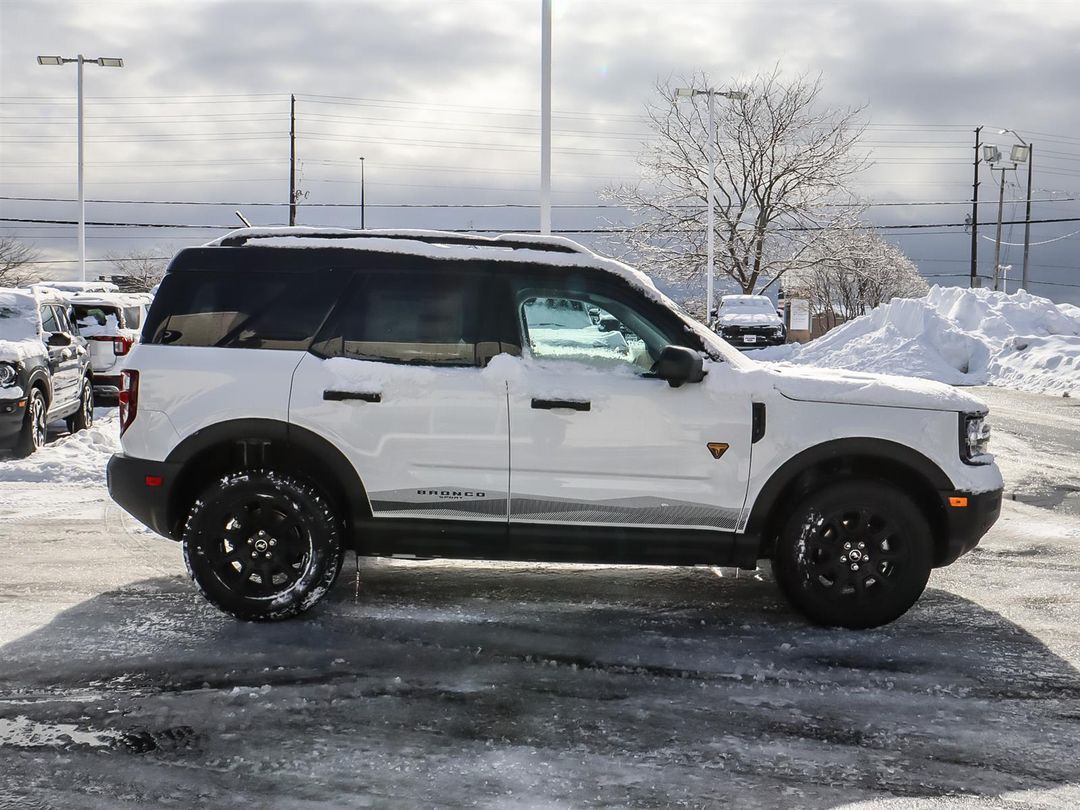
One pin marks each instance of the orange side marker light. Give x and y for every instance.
(958, 502)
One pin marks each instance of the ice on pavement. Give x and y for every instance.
(956, 336)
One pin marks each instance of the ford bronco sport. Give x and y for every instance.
(298, 392)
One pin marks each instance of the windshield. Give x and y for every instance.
(748, 304)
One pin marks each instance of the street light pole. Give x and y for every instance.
(1028, 152)
(710, 194)
(80, 60)
(710, 220)
(997, 242)
(545, 117)
(362, 193)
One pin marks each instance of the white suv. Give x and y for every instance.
(300, 392)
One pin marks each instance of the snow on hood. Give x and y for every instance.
(748, 319)
(810, 384)
(18, 326)
(957, 336)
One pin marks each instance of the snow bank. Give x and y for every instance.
(957, 336)
(78, 458)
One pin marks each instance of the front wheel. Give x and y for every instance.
(262, 546)
(854, 554)
(35, 424)
(83, 419)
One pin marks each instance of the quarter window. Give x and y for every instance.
(249, 310)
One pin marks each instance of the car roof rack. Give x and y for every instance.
(243, 236)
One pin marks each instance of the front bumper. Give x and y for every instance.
(144, 489)
(753, 341)
(966, 524)
(12, 414)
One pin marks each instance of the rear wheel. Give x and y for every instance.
(854, 554)
(83, 418)
(262, 546)
(35, 424)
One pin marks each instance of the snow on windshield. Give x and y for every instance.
(748, 304)
(18, 318)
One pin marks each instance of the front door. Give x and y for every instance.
(64, 356)
(396, 382)
(597, 441)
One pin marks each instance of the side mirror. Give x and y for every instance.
(679, 365)
(58, 339)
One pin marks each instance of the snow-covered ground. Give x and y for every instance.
(957, 336)
(442, 684)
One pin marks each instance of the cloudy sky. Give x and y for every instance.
(441, 100)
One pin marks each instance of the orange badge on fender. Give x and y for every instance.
(717, 448)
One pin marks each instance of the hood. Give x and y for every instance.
(809, 384)
(12, 351)
(748, 319)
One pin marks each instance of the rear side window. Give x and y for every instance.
(132, 317)
(425, 318)
(243, 310)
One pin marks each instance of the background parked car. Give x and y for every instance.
(44, 369)
(749, 321)
(110, 322)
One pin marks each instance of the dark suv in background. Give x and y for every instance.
(44, 369)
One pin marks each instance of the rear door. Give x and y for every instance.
(396, 381)
(595, 439)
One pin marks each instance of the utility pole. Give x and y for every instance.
(292, 160)
(545, 117)
(1027, 219)
(361, 193)
(974, 282)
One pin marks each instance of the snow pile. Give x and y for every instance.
(78, 458)
(957, 336)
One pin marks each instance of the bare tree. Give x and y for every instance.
(850, 270)
(144, 269)
(781, 155)
(15, 259)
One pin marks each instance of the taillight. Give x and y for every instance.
(121, 345)
(129, 398)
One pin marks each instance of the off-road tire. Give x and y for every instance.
(83, 419)
(830, 578)
(35, 424)
(262, 545)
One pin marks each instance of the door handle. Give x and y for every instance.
(341, 396)
(553, 404)
(65, 354)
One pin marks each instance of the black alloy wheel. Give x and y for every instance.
(83, 419)
(262, 545)
(854, 554)
(35, 424)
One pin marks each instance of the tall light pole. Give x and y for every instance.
(545, 117)
(1018, 154)
(1027, 207)
(80, 60)
(689, 92)
(362, 193)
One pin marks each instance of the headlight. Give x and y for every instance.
(8, 375)
(974, 437)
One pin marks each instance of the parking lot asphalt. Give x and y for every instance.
(440, 684)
